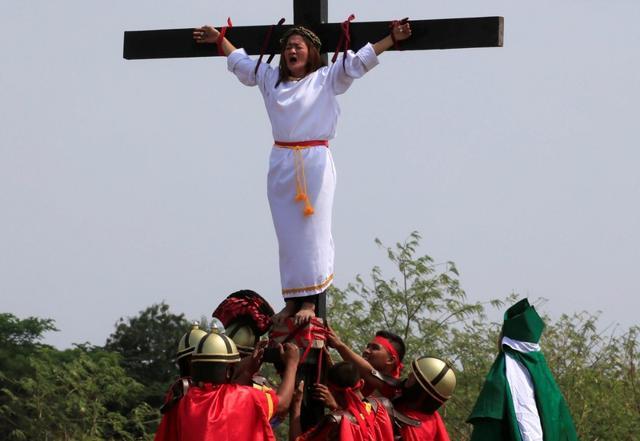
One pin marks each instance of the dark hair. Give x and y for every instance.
(209, 372)
(184, 366)
(343, 374)
(396, 342)
(314, 60)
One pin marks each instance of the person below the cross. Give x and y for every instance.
(216, 409)
(354, 417)
(300, 98)
(520, 400)
(186, 345)
(380, 365)
(246, 316)
(429, 385)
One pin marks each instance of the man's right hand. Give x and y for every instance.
(333, 341)
(290, 353)
(205, 34)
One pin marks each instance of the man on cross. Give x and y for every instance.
(300, 98)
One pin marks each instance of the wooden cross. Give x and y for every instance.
(452, 33)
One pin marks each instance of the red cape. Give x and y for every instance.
(226, 412)
(431, 429)
(168, 428)
(382, 429)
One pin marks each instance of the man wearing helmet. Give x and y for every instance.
(380, 365)
(355, 418)
(186, 346)
(216, 409)
(429, 385)
(246, 315)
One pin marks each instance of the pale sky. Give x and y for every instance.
(124, 183)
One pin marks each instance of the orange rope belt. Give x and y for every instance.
(301, 179)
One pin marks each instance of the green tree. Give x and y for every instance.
(423, 303)
(596, 369)
(77, 394)
(148, 344)
(18, 339)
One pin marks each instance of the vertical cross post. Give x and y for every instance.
(311, 13)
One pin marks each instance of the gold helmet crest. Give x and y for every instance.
(188, 342)
(435, 376)
(215, 347)
(243, 336)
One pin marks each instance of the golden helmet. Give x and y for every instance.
(243, 336)
(215, 347)
(435, 376)
(188, 342)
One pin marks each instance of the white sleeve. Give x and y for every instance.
(244, 68)
(355, 66)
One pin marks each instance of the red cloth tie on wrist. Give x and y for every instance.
(265, 45)
(345, 40)
(223, 32)
(304, 335)
(392, 25)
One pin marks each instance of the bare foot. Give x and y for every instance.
(288, 310)
(305, 314)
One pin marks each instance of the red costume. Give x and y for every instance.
(386, 390)
(168, 427)
(224, 412)
(371, 424)
(431, 429)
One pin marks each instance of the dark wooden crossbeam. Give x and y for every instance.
(450, 33)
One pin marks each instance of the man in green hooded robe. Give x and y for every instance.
(520, 400)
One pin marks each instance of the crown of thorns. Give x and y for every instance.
(301, 30)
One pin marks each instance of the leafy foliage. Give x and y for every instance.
(596, 370)
(90, 393)
(148, 343)
(81, 393)
(423, 299)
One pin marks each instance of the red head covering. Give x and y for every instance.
(385, 343)
(248, 305)
(355, 406)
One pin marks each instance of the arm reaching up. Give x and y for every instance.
(400, 31)
(209, 34)
(290, 355)
(347, 354)
(295, 428)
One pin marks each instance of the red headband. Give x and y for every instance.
(356, 407)
(385, 343)
(355, 387)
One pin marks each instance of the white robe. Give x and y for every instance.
(303, 110)
(522, 391)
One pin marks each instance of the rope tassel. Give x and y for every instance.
(301, 181)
